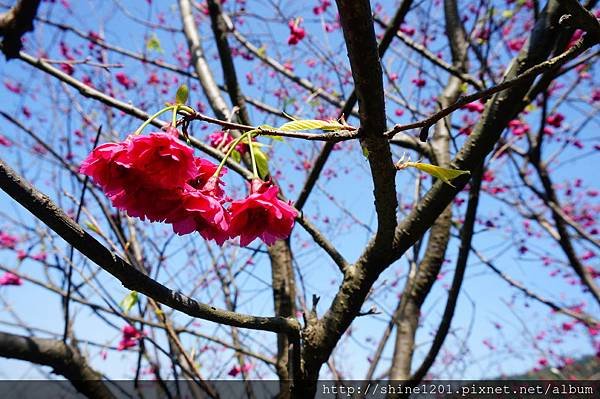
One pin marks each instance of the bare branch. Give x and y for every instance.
(525, 76)
(584, 318)
(64, 360)
(422, 50)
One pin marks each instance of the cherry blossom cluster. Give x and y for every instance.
(297, 33)
(158, 178)
(9, 278)
(130, 337)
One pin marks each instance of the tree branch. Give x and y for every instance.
(63, 359)
(584, 318)
(347, 107)
(14, 23)
(44, 209)
(583, 18)
(518, 80)
(359, 34)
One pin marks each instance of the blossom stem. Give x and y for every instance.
(174, 119)
(232, 146)
(156, 115)
(254, 170)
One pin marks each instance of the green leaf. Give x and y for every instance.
(365, 152)
(262, 162)
(153, 44)
(92, 227)
(262, 51)
(182, 94)
(129, 301)
(236, 156)
(444, 174)
(507, 14)
(311, 124)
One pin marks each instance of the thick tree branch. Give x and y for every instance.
(584, 19)
(346, 109)
(359, 34)
(321, 336)
(14, 23)
(63, 359)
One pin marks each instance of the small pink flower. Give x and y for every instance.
(8, 240)
(130, 338)
(15, 88)
(41, 256)
(21, 254)
(555, 120)
(125, 80)
(4, 141)
(153, 79)
(9, 278)
(518, 127)
(204, 214)
(126, 344)
(321, 8)
(517, 43)
(419, 82)
(488, 344)
(407, 30)
(235, 370)
(296, 32)
(131, 332)
(475, 106)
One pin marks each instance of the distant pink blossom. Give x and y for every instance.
(235, 370)
(9, 278)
